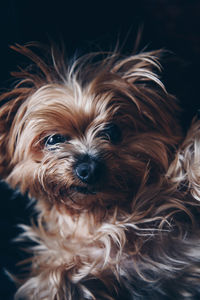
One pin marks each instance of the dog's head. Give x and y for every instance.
(89, 134)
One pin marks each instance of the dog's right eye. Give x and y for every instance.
(112, 133)
(55, 139)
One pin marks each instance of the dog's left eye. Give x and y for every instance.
(112, 133)
(55, 139)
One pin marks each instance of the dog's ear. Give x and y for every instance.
(12, 103)
(140, 74)
(135, 80)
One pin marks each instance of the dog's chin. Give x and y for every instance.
(80, 198)
(83, 190)
(85, 197)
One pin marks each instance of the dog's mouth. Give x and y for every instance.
(83, 190)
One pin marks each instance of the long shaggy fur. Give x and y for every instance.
(134, 232)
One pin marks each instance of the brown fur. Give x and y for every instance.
(134, 232)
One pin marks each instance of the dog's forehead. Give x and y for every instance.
(70, 97)
(67, 107)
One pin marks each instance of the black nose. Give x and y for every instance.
(88, 169)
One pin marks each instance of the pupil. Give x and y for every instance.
(55, 139)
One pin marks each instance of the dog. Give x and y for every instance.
(97, 146)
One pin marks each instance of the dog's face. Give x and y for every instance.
(90, 139)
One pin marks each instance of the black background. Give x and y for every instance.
(85, 26)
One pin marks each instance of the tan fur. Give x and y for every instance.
(90, 246)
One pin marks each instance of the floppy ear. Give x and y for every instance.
(28, 81)
(9, 107)
(10, 103)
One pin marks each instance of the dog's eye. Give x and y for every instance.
(112, 133)
(55, 139)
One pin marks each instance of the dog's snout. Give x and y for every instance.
(88, 169)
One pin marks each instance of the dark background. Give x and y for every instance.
(86, 26)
